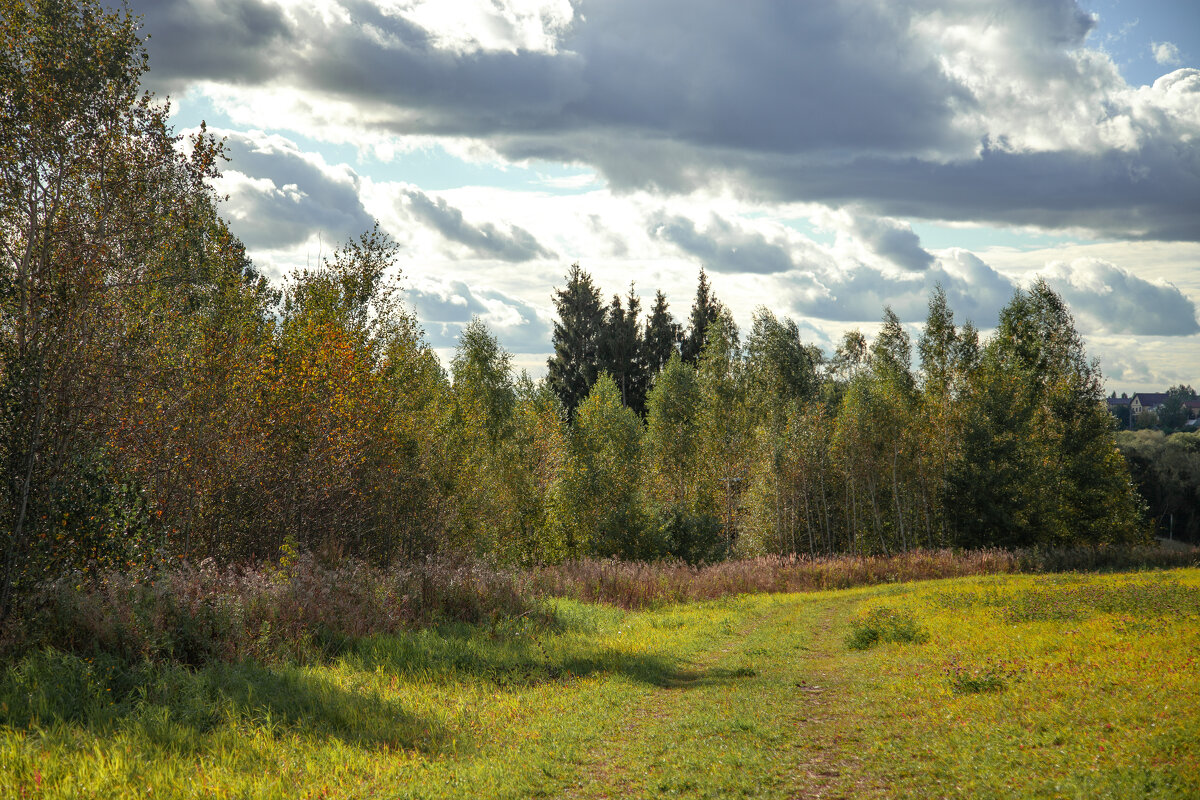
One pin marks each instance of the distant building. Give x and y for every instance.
(1150, 402)
(1143, 402)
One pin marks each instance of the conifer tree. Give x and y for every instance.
(575, 363)
(621, 351)
(662, 337)
(706, 309)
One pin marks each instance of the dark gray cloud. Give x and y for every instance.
(894, 241)
(861, 102)
(723, 247)
(288, 196)
(238, 41)
(1153, 193)
(446, 309)
(484, 240)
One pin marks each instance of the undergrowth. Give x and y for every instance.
(302, 609)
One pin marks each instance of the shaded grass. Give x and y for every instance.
(492, 710)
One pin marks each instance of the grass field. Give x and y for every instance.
(1007, 686)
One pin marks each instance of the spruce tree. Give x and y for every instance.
(662, 337)
(706, 309)
(575, 364)
(621, 351)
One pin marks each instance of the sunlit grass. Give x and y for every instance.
(1041, 686)
(1073, 686)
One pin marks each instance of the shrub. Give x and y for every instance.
(880, 625)
(981, 679)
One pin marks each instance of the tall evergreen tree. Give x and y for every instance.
(706, 309)
(575, 363)
(662, 337)
(621, 351)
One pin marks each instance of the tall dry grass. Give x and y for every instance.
(303, 608)
(200, 613)
(642, 585)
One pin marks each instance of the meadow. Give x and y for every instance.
(1053, 685)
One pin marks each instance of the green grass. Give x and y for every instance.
(1010, 686)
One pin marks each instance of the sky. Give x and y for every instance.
(822, 159)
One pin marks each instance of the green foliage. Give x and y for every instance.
(980, 679)
(688, 536)
(483, 382)
(662, 336)
(622, 352)
(782, 369)
(575, 364)
(1173, 414)
(881, 625)
(598, 504)
(1166, 471)
(672, 439)
(1039, 461)
(706, 310)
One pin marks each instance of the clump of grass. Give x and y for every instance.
(882, 624)
(992, 676)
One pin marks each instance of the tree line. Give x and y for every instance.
(159, 397)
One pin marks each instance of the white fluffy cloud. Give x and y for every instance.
(1166, 53)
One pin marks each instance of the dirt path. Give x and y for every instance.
(758, 716)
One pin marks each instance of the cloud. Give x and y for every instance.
(1107, 299)
(892, 240)
(930, 108)
(829, 283)
(445, 307)
(280, 196)
(1166, 53)
(484, 240)
(240, 41)
(724, 247)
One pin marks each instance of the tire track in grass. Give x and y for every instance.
(761, 716)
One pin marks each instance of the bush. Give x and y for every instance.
(880, 625)
(983, 678)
